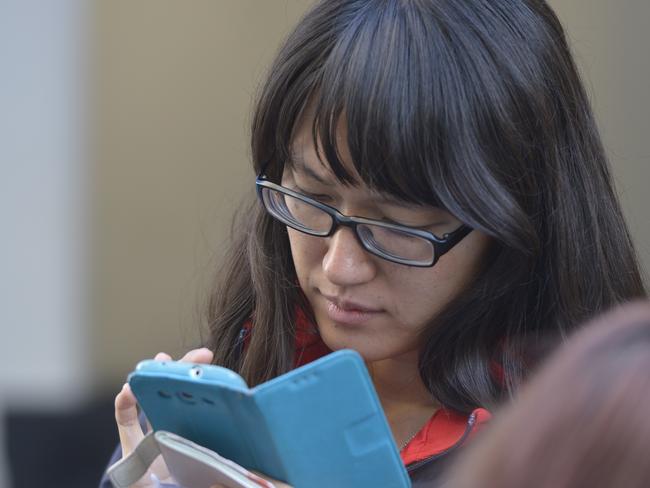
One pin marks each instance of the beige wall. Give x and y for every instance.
(174, 85)
(173, 88)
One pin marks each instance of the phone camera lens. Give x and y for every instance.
(196, 372)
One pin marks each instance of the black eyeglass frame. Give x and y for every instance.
(441, 245)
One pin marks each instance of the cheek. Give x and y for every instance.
(462, 263)
(419, 294)
(422, 293)
(307, 253)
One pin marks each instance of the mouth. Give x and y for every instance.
(348, 312)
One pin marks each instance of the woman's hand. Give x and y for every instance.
(128, 425)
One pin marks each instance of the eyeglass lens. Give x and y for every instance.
(387, 242)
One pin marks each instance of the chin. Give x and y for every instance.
(337, 339)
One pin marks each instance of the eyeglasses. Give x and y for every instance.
(396, 243)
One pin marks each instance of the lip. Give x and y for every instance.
(349, 312)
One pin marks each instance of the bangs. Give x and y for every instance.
(427, 110)
(373, 85)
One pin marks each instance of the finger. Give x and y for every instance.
(201, 355)
(270, 482)
(126, 416)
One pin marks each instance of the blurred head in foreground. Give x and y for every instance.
(581, 422)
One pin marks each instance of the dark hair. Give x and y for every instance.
(582, 421)
(473, 106)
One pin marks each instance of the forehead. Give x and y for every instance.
(349, 156)
(306, 151)
(307, 164)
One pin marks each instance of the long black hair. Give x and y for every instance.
(474, 106)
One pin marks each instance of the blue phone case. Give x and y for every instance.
(316, 426)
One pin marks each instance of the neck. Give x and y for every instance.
(406, 402)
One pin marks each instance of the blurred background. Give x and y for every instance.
(123, 154)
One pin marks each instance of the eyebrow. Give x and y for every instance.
(299, 164)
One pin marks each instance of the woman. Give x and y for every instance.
(460, 134)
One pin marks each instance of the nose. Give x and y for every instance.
(346, 263)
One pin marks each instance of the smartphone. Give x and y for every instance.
(318, 425)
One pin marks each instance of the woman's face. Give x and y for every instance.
(361, 301)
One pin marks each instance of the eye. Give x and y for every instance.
(314, 196)
(410, 222)
(398, 234)
(422, 218)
